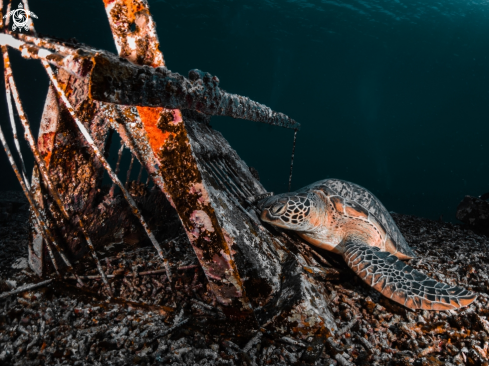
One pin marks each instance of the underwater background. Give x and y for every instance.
(392, 95)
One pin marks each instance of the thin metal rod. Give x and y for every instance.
(94, 255)
(9, 104)
(232, 196)
(40, 161)
(32, 202)
(234, 181)
(236, 176)
(107, 167)
(41, 223)
(119, 158)
(32, 144)
(129, 170)
(42, 166)
(7, 21)
(14, 127)
(227, 180)
(129, 142)
(29, 136)
(140, 173)
(17, 145)
(292, 160)
(147, 273)
(38, 221)
(25, 288)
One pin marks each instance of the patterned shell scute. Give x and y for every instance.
(370, 203)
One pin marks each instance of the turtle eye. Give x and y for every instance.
(278, 209)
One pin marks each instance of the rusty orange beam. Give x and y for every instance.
(167, 136)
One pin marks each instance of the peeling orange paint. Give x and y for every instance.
(45, 145)
(150, 117)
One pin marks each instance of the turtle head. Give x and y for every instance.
(288, 211)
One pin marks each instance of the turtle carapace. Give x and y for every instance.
(347, 219)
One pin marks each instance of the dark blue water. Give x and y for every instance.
(392, 95)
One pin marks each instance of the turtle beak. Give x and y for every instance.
(265, 216)
(272, 212)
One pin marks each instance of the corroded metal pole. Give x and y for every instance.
(167, 136)
(149, 86)
(12, 123)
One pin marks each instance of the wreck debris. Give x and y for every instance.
(140, 46)
(149, 86)
(107, 167)
(205, 181)
(12, 120)
(25, 288)
(40, 220)
(119, 158)
(205, 145)
(10, 85)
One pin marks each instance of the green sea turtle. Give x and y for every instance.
(347, 219)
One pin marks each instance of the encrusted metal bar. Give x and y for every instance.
(39, 160)
(107, 167)
(7, 21)
(28, 134)
(117, 82)
(44, 172)
(140, 46)
(25, 288)
(1, 13)
(242, 184)
(119, 158)
(31, 200)
(13, 125)
(164, 132)
(140, 172)
(128, 176)
(155, 87)
(41, 163)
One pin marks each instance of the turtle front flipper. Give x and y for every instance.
(400, 282)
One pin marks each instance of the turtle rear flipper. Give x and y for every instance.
(400, 282)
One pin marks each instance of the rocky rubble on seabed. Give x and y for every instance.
(181, 324)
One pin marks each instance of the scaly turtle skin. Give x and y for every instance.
(347, 219)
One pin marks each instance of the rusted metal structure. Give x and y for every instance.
(260, 276)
